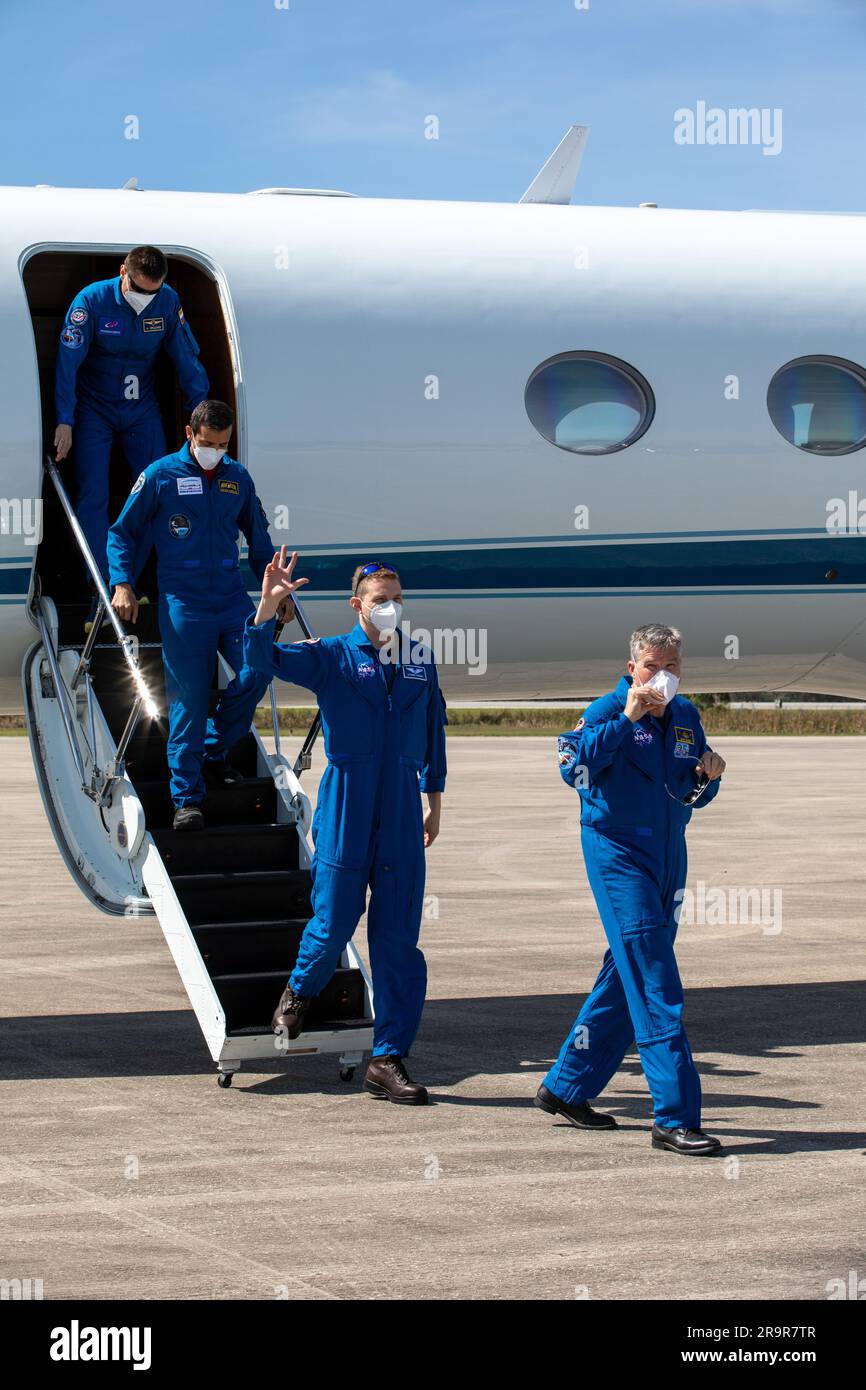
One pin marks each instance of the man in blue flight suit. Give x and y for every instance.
(104, 379)
(191, 506)
(639, 760)
(383, 719)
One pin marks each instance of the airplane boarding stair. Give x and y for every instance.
(232, 900)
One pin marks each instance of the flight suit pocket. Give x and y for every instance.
(653, 987)
(342, 824)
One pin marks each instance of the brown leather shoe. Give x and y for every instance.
(289, 1013)
(388, 1079)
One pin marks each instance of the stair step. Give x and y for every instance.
(226, 897)
(232, 948)
(252, 802)
(71, 618)
(249, 999)
(228, 847)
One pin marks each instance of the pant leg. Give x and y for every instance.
(190, 637)
(92, 438)
(397, 964)
(143, 441)
(640, 932)
(338, 899)
(236, 707)
(596, 1043)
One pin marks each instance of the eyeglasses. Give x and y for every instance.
(139, 289)
(697, 791)
(373, 567)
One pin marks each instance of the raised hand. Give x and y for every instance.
(278, 584)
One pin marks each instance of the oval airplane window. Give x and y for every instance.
(588, 402)
(819, 404)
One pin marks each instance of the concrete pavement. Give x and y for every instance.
(126, 1173)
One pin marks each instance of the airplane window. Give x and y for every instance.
(588, 402)
(819, 404)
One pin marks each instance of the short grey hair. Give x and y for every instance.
(654, 635)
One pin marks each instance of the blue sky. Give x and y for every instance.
(237, 94)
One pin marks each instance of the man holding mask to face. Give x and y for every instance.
(640, 762)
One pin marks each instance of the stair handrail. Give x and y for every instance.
(305, 757)
(125, 641)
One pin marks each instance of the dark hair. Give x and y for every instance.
(148, 261)
(215, 414)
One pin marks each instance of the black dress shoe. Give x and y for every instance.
(388, 1079)
(188, 818)
(581, 1115)
(685, 1141)
(218, 773)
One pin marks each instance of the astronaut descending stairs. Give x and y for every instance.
(233, 899)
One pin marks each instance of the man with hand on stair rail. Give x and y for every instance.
(191, 506)
(383, 719)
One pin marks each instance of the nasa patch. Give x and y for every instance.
(78, 316)
(153, 325)
(137, 485)
(179, 526)
(415, 673)
(366, 668)
(642, 737)
(566, 751)
(72, 337)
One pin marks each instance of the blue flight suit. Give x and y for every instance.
(384, 746)
(102, 344)
(193, 521)
(634, 847)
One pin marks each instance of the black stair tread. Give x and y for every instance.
(71, 618)
(251, 783)
(242, 877)
(165, 835)
(268, 924)
(336, 1025)
(252, 976)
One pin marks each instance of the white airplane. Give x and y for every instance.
(553, 419)
(556, 421)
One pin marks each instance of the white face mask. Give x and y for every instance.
(208, 458)
(666, 683)
(386, 616)
(137, 301)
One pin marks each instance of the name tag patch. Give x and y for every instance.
(189, 485)
(153, 325)
(415, 673)
(228, 485)
(684, 735)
